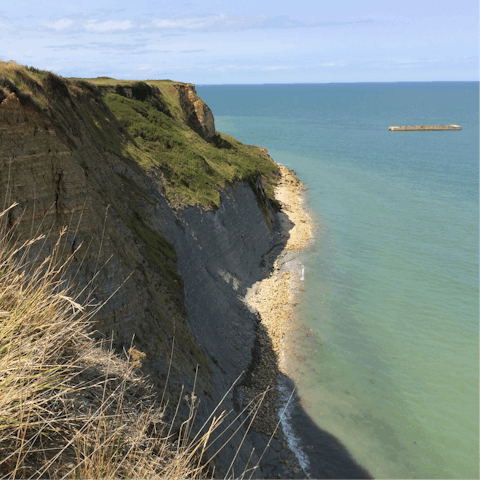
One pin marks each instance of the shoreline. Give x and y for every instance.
(314, 452)
(275, 298)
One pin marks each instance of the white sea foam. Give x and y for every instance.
(285, 414)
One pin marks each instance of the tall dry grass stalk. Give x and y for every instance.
(70, 407)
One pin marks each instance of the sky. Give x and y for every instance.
(246, 41)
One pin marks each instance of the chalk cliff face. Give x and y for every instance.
(163, 272)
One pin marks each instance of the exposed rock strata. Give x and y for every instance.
(37, 168)
(61, 176)
(198, 114)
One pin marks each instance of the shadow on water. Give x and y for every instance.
(327, 456)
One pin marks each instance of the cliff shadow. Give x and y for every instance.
(326, 455)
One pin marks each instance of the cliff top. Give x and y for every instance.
(161, 125)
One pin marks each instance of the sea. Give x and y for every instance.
(386, 357)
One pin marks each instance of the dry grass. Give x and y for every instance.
(70, 407)
(10, 66)
(25, 81)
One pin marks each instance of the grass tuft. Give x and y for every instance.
(69, 406)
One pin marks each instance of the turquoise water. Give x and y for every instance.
(391, 292)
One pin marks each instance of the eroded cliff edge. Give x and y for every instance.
(158, 204)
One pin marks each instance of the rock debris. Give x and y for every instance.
(274, 299)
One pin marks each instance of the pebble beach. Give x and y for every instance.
(275, 298)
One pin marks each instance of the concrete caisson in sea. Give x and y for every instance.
(417, 128)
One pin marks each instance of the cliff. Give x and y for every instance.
(168, 221)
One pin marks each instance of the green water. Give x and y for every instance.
(391, 366)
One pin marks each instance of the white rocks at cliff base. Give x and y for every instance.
(274, 299)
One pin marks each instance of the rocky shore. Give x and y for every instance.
(274, 298)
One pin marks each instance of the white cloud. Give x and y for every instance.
(145, 66)
(187, 23)
(6, 25)
(264, 68)
(59, 24)
(224, 22)
(337, 63)
(108, 25)
(274, 67)
(220, 22)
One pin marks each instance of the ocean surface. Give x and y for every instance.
(388, 346)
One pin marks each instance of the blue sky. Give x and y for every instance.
(249, 41)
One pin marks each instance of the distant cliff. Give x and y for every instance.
(174, 213)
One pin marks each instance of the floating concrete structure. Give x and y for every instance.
(416, 128)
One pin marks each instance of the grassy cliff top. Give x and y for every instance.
(146, 122)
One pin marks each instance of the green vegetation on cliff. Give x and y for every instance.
(195, 170)
(151, 128)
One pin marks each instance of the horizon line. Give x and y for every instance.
(336, 83)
